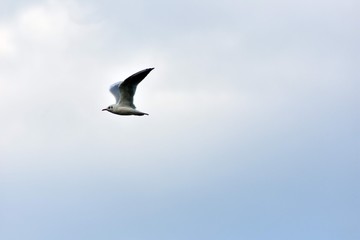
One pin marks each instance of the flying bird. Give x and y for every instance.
(124, 94)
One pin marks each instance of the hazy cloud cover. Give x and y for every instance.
(253, 130)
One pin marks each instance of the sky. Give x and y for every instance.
(253, 130)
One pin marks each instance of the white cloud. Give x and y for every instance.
(48, 25)
(238, 70)
(40, 53)
(7, 45)
(44, 23)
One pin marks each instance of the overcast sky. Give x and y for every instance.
(253, 130)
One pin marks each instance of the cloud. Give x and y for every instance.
(211, 75)
(7, 46)
(35, 43)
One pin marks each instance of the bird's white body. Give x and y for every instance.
(121, 110)
(124, 94)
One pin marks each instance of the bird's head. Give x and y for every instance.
(109, 108)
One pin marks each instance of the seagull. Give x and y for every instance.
(124, 94)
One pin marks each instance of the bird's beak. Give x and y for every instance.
(104, 109)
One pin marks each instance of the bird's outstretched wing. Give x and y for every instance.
(128, 87)
(115, 90)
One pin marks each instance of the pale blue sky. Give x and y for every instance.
(253, 130)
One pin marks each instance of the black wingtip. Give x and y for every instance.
(147, 70)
